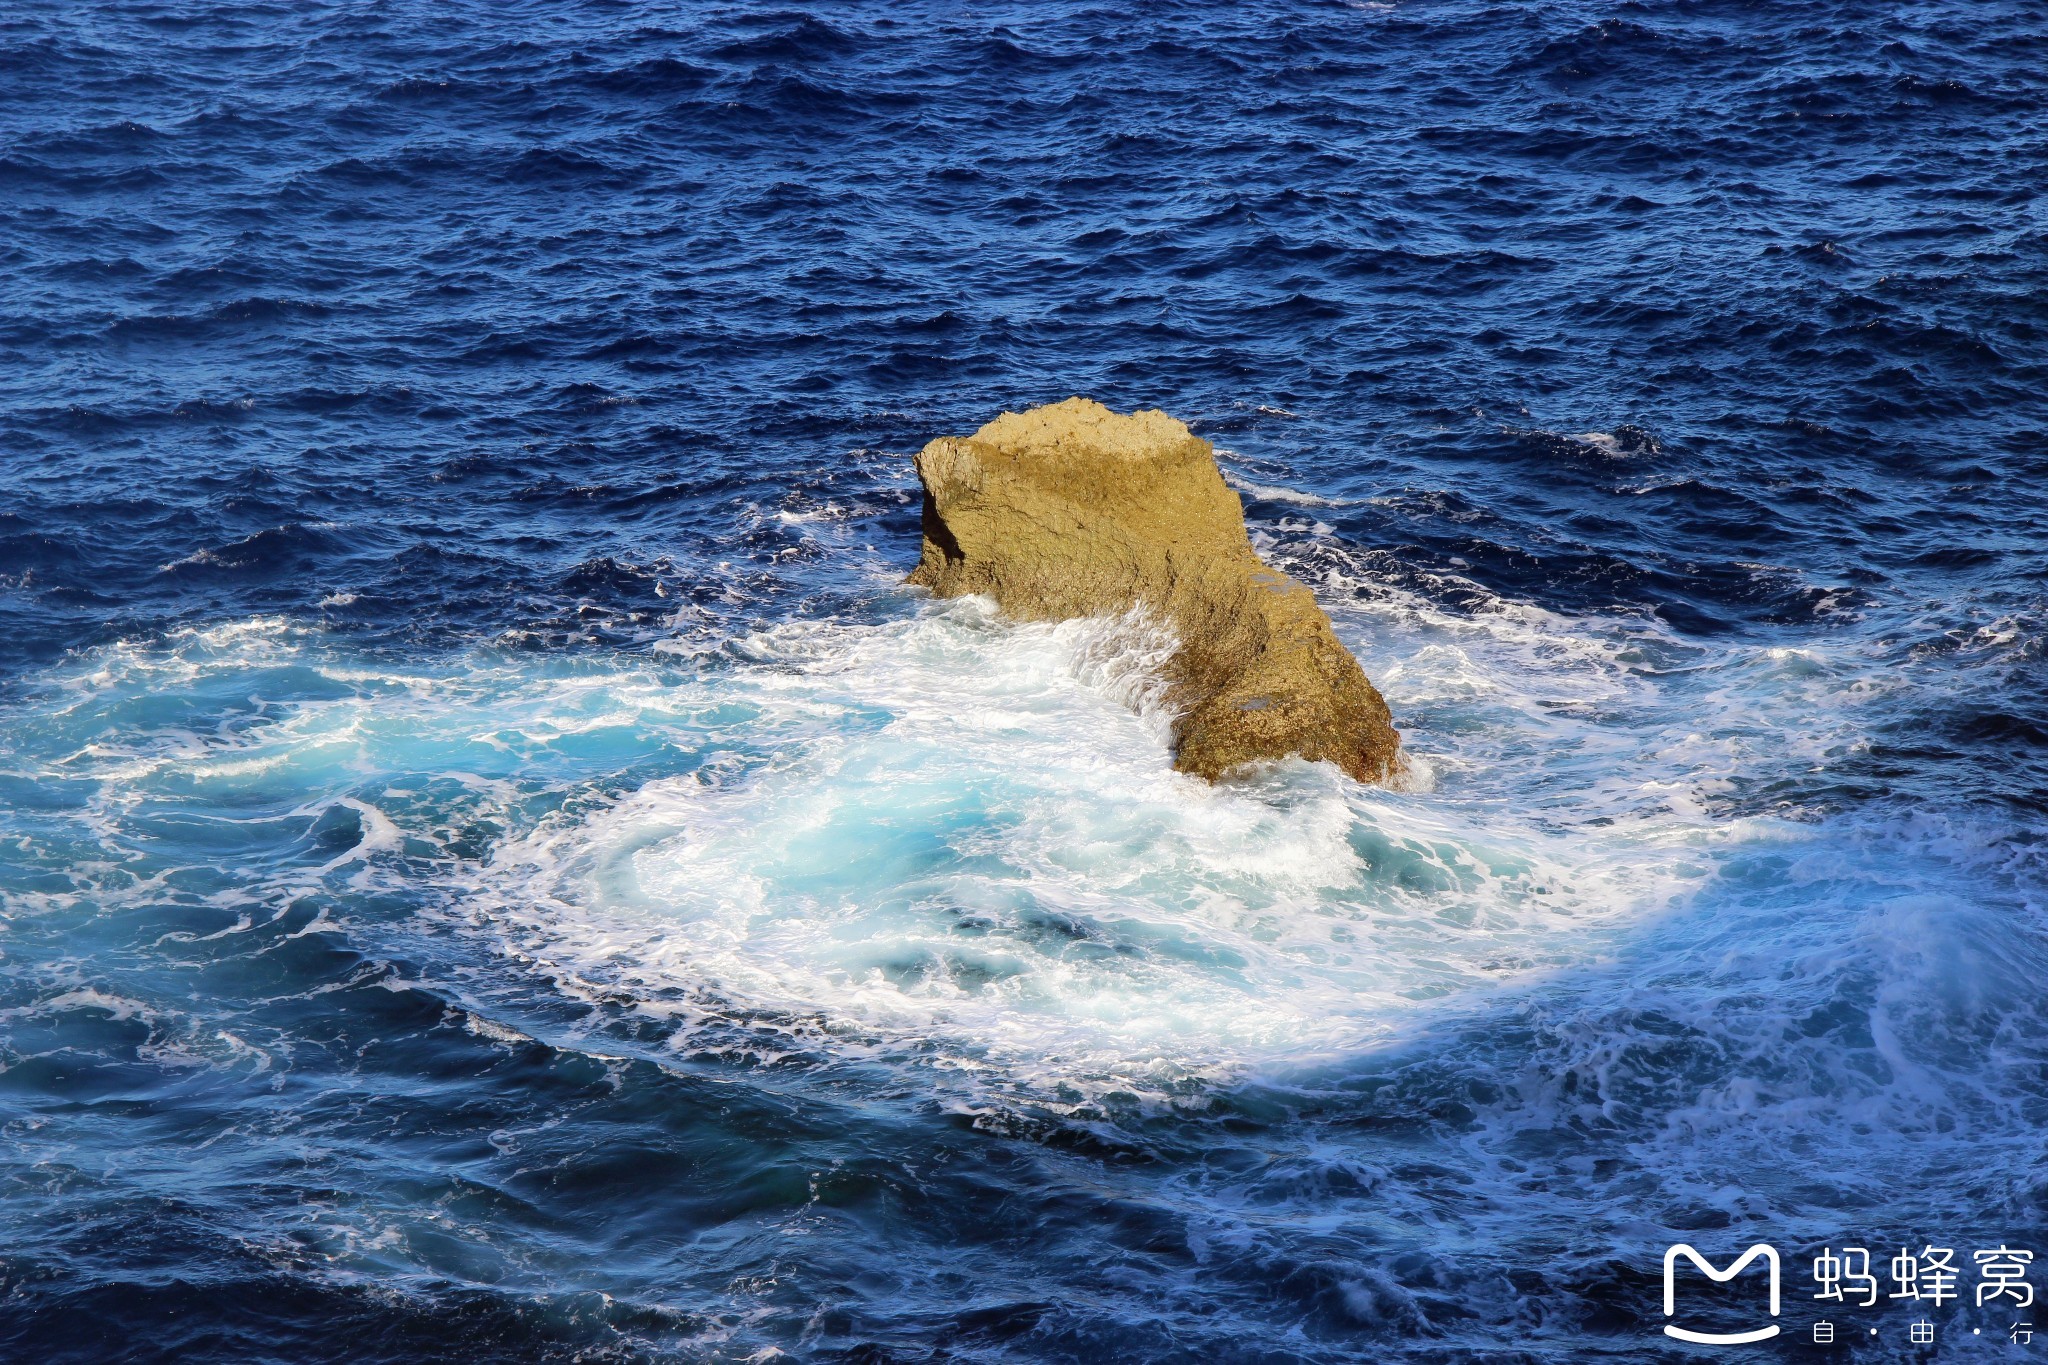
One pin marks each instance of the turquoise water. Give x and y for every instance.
(715, 971)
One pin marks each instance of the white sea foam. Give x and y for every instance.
(963, 836)
(1601, 441)
(1276, 493)
(923, 858)
(941, 841)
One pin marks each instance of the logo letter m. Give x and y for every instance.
(1671, 1255)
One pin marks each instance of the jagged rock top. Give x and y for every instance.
(1081, 426)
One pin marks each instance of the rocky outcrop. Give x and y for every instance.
(1073, 510)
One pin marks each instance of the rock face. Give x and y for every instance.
(1073, 510)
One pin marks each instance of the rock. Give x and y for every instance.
(1073, 510)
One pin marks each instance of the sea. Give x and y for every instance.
(495, 865)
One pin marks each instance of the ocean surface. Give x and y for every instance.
(495, 867)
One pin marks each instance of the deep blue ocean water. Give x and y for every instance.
(494, 867)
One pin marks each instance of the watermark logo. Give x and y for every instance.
(1769, 1254)
(1848, 1280)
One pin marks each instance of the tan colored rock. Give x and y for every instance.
(1073, 510)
